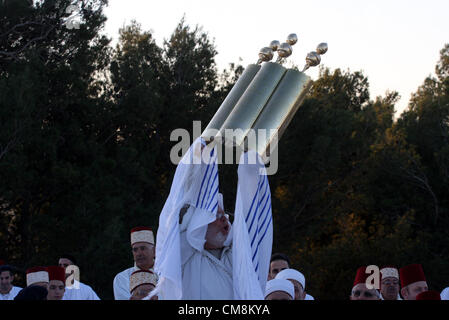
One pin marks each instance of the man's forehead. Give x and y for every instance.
(361, 286)
(390, 279)
(141, 244)
(279, 262)
(418, 284)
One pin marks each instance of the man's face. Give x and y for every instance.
(412, 290)
(6, 279)
(300, 294)
(142, 291)
(389, 287)
(64, 263)
(56, 289)
(143, 253)
(277, 266)
(278, 295)
(217, 231)
(361, 292)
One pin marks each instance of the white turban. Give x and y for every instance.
(280, 285)
(445, 294)
(292, 274)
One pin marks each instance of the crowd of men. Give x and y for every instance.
(201, 255)
(137, 282)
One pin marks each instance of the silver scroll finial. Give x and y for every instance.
(314, 58)
(265, 54)
(285, 49)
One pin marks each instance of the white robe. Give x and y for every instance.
(121, 283)
(202, 267)
(11, 294)
(79, 291)
(309, 297)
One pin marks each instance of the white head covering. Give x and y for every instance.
(389, 272)
(36, 275)
(445, 294)
(289, 274)
(280, 285)
(142, 234)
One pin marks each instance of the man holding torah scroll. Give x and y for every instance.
(199, 255)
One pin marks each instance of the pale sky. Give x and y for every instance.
(396, 43)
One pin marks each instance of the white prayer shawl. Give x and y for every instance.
(185, 269)
(79, 291)
(121, 283)
(309, 297)
(253, 229)
(11, 294)
(202, 198)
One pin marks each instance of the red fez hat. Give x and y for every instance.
(36, 269)
(36, 274)
(361, 276)
(142, 234)
(56, 273)
(411, 274)
(429, 295)
(140, 229)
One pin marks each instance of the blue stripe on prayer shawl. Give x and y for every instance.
(257, 207)
(213, 186)
(257, 210)
(258, 220)
(266, 229)
(201, 188)
(255, 252)
(263, 236)
(207, 190)
(213, 197)
(254, 199)
(211, 165)
(266, 216)
(216, 205)
(260, 228)
(256, 234)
